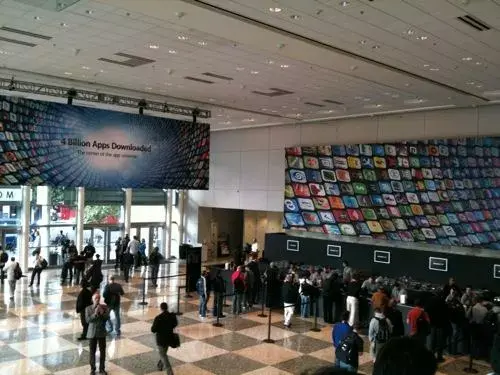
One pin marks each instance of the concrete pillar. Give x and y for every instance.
(80, 217)
(182, 201)
(128, 211)
(25, 228)
(170, 202)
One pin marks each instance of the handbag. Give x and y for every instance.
(175, 341)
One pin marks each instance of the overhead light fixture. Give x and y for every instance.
(85, 67)
(344, 3)
(270, 62)
(167, 84)
(254, 72)
(37, 18)
(249, 120)
(101, 71)
(467, 58)
(414, 101)
(264, 109)
(366, 99)
(68, 73)
(434, 69)
(225, 123)
(275, 9)
(376, 46)
(240, 68)
(211, 100)
(470, 83)
(149, 88)
(423, 37)
(63, 24)
(89, 11)
(362, 42)
(410, 31)
(295, 17)
(479, 86)
(426, 65)
(182, 37)
(154, 46)
(479, 63)
(284, 66)
(172, 51)
(202, 43)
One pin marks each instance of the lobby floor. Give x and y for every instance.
(38, 334)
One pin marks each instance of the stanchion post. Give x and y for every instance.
(143, 303)
(224, 300)
(263, 301)
(218, 311)
(469, 369)
(269, 340)
(178, 301)
(315, 322)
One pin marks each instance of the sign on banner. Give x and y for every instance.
(380, 256)
(438, 264)
(292, 245)
(56, 144)
(496, 271)
(10, 195)
(334, 251)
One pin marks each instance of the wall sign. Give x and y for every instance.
(438, 264)
(11, 195)
(380, 256)
(292, 245)
(62, 145)
(496, 271)
(334, 251)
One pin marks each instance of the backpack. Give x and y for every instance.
(307, 289)
(347, 350)
(5, 258)
(383, 333)
(491, 321)
(423, 326)
(44, 264)
(18, 272)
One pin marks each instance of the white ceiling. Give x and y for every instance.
(372, 56)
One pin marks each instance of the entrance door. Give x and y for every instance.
(10, 242)
(103, 239)
(151, 234)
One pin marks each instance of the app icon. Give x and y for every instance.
(310, 218)
(291, 205)
(343, 175)
(298, 175)
(321, 203)
(311, 162)
(326, 217)
(317, 190)
(305, 204)
(294, 219)
(336, 202)
(374, 226)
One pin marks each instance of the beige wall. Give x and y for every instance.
(258, 223)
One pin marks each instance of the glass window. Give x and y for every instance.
(103, 214)
(147, 214)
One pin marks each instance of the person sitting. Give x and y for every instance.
(405, 356)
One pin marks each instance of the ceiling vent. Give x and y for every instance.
(131, 61)
(213, 75)
(273, 91)
(474, 22)
(314, 104)
(50, 5)
(199, 80)
(25, 33)
(15, 41)
(333, 102)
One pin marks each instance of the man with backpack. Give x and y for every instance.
(163, 328)
(14, 273)
(38, 266)
(238, 280)
(347, 344)
(379, 332)
(419, 322)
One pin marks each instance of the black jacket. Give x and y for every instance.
(163, 326)
(84, 299)
(218, 285)
(396, 318)
(290, 293)
(154, 258)
(438, 312)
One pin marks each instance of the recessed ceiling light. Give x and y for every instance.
(182, 37)
(275, 10)
(274, 111)
(254, 72)
(149, 88)
(63, 24)
(479, 63)
(415, 101)
(102, 71)
(37, 18)
(376, 46)
(211, 100)
(85, 67)
(249, 120)
(68, 73)
(434, 69)
(172, 51)
(167, 84)
(240, 68)
(410, 31)
(344, 3)
(358, 97)
(284, 106)
(362, 42)
(295, 17)
(284, 66)
(470, 83)
(202, 43)
(426, 65)
(89, 11)
(264, 109)
(154, 46)
(366, 99)
(271, 62)
(467, 58)
(225, 123)
(479, 86)
(423, 37)
(394, 96)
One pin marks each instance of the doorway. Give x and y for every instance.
(10, 242)
(151, 233)
(103, 238)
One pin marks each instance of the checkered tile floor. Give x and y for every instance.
(38, 332)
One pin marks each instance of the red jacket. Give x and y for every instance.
(238, 275)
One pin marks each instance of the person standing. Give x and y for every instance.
(118, 252)
(112, 295)
(96, 316)
(94, 274)
(305, 291)
(79, 266)
(219, 292)
(163, 328)
(347, 272)
(255, 249)
(203, 292)
(457, 320)
(133, 247)
(10, 271)
(440, 324)
(142, 252)
(237, 278)
(4, 258)
(379, 332)
(380, 300)
(128, 262)
(352, 300)
(396, 318)
(125, 242)
(419, 322)
(154, 264)
(83, 301)
(290, 296)
(347, 345)
(249, 282)
(39, 265)
(327, 293)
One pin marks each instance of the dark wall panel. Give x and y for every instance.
(477, 271)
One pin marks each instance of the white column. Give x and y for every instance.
(43, 199)
(80, 217)
(25, 228)
(181, 216)
(128, 210)
(170, 201)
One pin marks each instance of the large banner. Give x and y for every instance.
(43, 143)
(443, 192)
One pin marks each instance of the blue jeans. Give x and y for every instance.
(116, 311)
(237, 302)
(304, 306)
(203, 306)
(347, 367)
